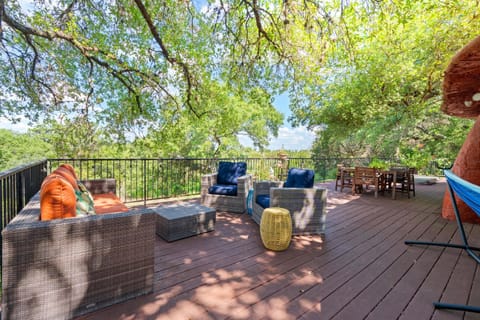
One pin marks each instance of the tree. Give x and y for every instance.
(168, 72)
(379, 91)
(137, 67)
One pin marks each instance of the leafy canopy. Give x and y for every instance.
(185, 78)
(146, 67)
(379, 91)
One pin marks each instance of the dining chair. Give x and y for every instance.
(367, 177)
(405, 181)
(411, 181)
(338, 178)
(347, 178)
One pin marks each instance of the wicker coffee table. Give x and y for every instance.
(178, 221)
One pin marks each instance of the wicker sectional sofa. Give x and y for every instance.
(62, 268)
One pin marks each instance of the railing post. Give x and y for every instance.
(20, 186)
(144, 182)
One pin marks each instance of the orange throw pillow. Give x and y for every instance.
(57, 198)
(67, 175)
(69, 168)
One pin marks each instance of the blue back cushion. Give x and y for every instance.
(263, 200)
(299, 178)
(229, 172)
(223, 189)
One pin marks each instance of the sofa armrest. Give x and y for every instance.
(98, 186)
(244, 183)
(307, 208)
(207, 181)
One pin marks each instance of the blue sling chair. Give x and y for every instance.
(470, 194)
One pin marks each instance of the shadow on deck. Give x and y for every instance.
(360, 268)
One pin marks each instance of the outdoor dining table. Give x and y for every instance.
(388, 174)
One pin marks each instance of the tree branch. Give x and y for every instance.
(174, 61)
(86, 50)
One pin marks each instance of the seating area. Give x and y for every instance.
(223, 270)
(57, 264)
(359, 269)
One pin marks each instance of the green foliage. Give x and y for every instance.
(17, 149)
(166, 75)
(379, 164)
(379, 91)
(171, 79)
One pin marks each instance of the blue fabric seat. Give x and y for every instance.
(229, 172)
(224, 189)
(263, 200)
(227, 179)
(299, 178)
(227, 189)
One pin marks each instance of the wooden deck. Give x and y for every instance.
(360, 269)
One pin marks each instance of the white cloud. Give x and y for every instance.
(299, 138)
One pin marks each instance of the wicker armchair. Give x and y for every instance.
(307, 206)
(238, 179)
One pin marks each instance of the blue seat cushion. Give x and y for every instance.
(229, 172)
(263, 200)
(299, 178)
(223, 189)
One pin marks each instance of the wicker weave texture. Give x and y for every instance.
(179, 221)
(237, 204)
(60, 269)
(307, 206)
(276, 229)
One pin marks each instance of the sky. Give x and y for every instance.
(298, 138)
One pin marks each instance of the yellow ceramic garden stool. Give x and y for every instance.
(276, 228)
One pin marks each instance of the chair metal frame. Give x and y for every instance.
(464, 246)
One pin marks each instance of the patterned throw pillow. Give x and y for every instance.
(84, 204)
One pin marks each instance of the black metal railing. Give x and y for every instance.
(18, 186)
(151, 179)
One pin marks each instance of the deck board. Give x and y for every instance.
(360, 268)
